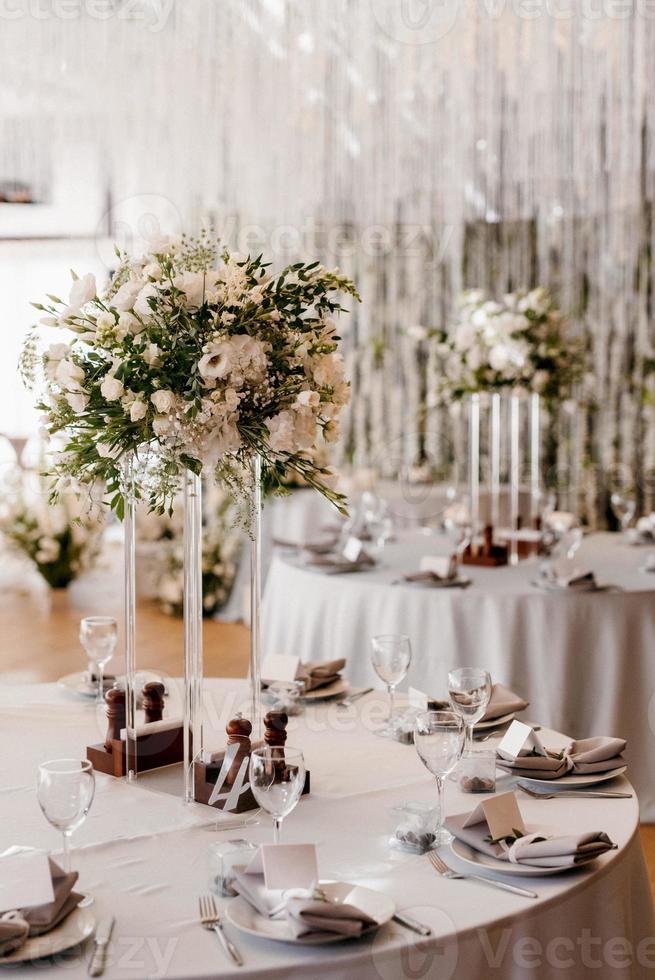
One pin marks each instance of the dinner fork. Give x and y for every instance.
(577, 794)
(210, 919)
(347, 701)
(440, 865)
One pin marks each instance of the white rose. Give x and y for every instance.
(308, 399)
(129, 323)
(328, 370)
(77, 400)
(192, 284)
(152, 270)
(163, 400)
(282, 432)
(57, 352)
(125, 296)
(83, 290)
(111, 388)
(69, 375)
(138, 410)
(161, 425)
(142, 306)
(499, 357)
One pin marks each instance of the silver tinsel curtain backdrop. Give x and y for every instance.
(423, 146)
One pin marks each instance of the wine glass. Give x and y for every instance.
(391, 655)
(469, 690)
(439, 740)
(458, 523)
(277, 778)
(98, 636)
(65, 789)
(624, 506)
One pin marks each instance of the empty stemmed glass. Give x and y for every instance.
(439, 740)
(624, 507)
(65, 790)
(469, 690)
(277, 778)
(98, 636)
(391, 655)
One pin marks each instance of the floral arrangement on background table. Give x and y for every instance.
(200, 357)
(62, 540)
(521, 341)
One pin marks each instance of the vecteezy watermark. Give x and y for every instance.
(417, 21)
(135, 223)
(153, 14)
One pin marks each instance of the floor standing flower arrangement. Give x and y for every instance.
(193, 361)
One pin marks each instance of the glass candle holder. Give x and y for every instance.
(223, 856)
(476, 773)
(414, 828)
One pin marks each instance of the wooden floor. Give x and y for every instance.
(39, 641)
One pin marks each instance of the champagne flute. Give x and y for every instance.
(439, 740)
(391, 655)
(277, 778)
(98, 636)
(65, 790)
(469, 690)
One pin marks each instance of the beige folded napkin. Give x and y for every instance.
(15, 927)
(559, 852)
(427, 577)
(563, 578)
(535, 766)
(317, 674)
(337, 563)
(599, 754)
(502, 702)
(310, 916)
(14, 930)
(551, 852)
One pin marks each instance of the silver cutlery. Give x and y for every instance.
(100, 944)
(413, 924)
(440, 865)
(210, 919)
(576, 793)
(346, 702)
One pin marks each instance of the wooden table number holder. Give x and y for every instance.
(238, 733)
(160, 748)
(490, 555)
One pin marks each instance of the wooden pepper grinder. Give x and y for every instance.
(116, 715)
(238, 733)
(275, 728)
(153, 701)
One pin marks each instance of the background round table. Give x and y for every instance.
(144, 856)
(586, 662)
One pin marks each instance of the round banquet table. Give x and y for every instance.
(586, 662)
(144, 857)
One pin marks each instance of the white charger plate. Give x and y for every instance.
(75, 929)
(375, 904)
(566, 782)
(484, 862)
(338, 688)
(77, 684)
(495, 722)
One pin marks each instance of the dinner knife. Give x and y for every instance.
(101, 942)
(409, 923)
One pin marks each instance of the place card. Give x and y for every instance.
(418, 699)
(25, 880)
(352, 549)
(441, 565)
(280, 667)
(519, 738)
(285, 866)
(501, 813)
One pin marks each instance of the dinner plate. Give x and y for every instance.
(566, 782)
(336, 689)
(449, 583)
(495, 722)
(376, 904)
(75, 928)
(484, 862)
(77, 684)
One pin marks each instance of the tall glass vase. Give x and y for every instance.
(129, 611)
(256, 596)
(193, 661)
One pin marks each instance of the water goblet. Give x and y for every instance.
(391, 655)
(469, 690)
(624, 506)
(277, 778)
(439, 741)
(65, 789)
(98, 636)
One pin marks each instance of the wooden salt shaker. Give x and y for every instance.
(275, 728)
(238, 733)
(153, 701)
(116, 715)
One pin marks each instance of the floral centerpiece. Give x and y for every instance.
(520, 342)
(61, 540)
(197, 357)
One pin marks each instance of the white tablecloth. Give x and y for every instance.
(143, 855)
(585, 662)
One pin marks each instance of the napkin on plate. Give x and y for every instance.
(318, 674)
(337, 563)
(559, 852)
(311, 916)
(313, 547)
(267, 901)
(427, 577)
(502, 702)
(599, 754)
(565, 577)
(38, 919)
(534, 766)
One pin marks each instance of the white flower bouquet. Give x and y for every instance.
(520, 342)
(62, 540)
(196, 358)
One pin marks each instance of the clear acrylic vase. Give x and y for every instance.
(193, 659)
(256, 596)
